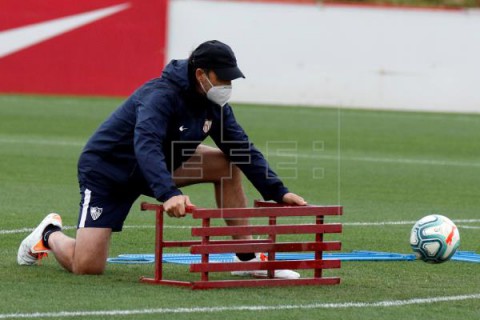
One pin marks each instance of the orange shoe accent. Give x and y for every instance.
(40, 247)
(40, 256)
(263, 257)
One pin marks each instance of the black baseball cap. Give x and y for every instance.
(216, 56)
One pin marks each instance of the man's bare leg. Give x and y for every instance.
(87, 254)
(210, 165)
(229, 193)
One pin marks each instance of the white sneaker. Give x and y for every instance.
(280, 274)
(32, 249)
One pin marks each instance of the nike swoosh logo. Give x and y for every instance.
(17, 39)
(182, 129)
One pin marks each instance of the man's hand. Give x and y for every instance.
(292, 198)
(175, 206)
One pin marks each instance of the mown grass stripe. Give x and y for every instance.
(332, 157)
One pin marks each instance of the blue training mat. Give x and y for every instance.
(186, 258)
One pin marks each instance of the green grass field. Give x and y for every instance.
(387, 169)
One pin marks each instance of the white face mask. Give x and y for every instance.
(218, 94)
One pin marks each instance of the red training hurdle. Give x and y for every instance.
(272, 211)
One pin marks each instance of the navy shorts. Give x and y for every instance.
(102, 207)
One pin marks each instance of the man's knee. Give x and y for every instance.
(213, 156)
(87, 269)
(88, 263)
(91, 251)
(223, 166)
(209, 164)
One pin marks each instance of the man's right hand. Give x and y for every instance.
(175, 206)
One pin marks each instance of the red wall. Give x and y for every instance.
(110, 56)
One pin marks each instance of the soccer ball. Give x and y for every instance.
(434, 238)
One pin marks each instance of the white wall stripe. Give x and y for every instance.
(193, 310)
(353, 224)
(86, 204)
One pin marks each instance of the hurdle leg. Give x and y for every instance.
(318, 254)
(205, 240)
(159, 244)
(272, 220)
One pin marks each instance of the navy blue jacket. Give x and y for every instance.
(158, 128)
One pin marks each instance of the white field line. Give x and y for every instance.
(333, 157)
(391, 223)
(43, 142)
(354, 224)
(255, 308)
(469, 227)
(27, 230)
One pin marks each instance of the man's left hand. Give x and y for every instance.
(292, 198)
